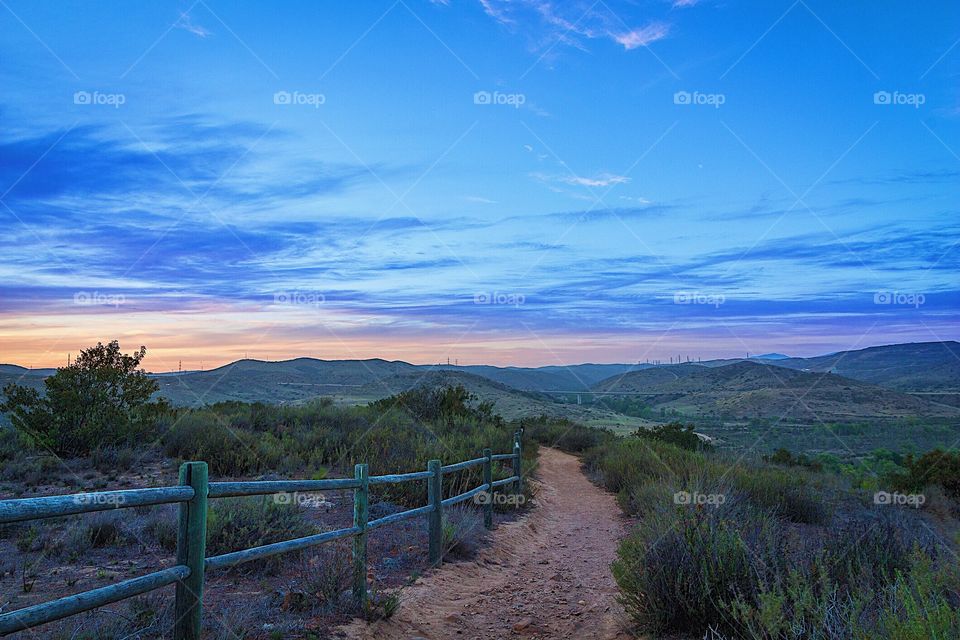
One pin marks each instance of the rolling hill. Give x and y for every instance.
(281, 382)
(576, 377)
(749, 389)
(917, 366)
(304, 378)
(355, 381)
(864, 383)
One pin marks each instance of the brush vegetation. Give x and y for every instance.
(777, 549)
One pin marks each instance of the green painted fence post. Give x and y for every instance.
(517, 458)
(487, 480)
(361, 498)
(435, 497)
(191, 552)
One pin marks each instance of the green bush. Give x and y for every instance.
(675, 433)
(564, 434)
(785, 458)
(678, 570)
(12, 444)
(628, 463)
(325, 574)
(935, 467)
(797, 606)
(778, 554)
(102, 399)
(918, 604)
(236, 524)
(203, 435)
(162, 527)
(462, 532)
(787, 494)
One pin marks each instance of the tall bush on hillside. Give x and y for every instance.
(675, 433)
(103, 398)
(438, 403)
(935, 467)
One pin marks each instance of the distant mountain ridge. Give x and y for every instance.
(915, 366)
(931, 368)
(748, 389)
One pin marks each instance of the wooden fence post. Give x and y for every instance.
(361, 514)
(435, 497)
(191, 552)
(517, 457)
(488, 480)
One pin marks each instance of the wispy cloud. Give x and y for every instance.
(643, 37)
(479, 200)
(921, 176)
(571, 23)
(186, 22)
(596, 181)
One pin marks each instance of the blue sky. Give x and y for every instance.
(511, 182)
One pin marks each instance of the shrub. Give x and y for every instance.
(564, 434)
(462, 532)
(203, 435)
(786, 493)
(326, 574)
(12, 444)
(30, 470)
(162, 526)
(785, 458)
(103, 398)
(628, 463)
(235, 524)
(678, 570)
(445, 403)
(104, 530)
(798, 606)
(935, 467)
(107, 459)
(675, 433)
(918, 606)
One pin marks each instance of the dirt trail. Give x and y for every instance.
(546, 575)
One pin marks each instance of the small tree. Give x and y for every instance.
(103, 398)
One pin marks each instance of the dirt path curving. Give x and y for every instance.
(546, 575)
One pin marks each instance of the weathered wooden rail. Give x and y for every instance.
(192, 563)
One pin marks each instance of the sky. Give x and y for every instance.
(512, 182)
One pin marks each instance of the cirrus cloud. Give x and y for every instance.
(571, 23)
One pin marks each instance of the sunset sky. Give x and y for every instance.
(507, 182)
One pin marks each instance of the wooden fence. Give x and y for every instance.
(191, 562)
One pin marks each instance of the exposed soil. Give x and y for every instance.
(546, 575)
